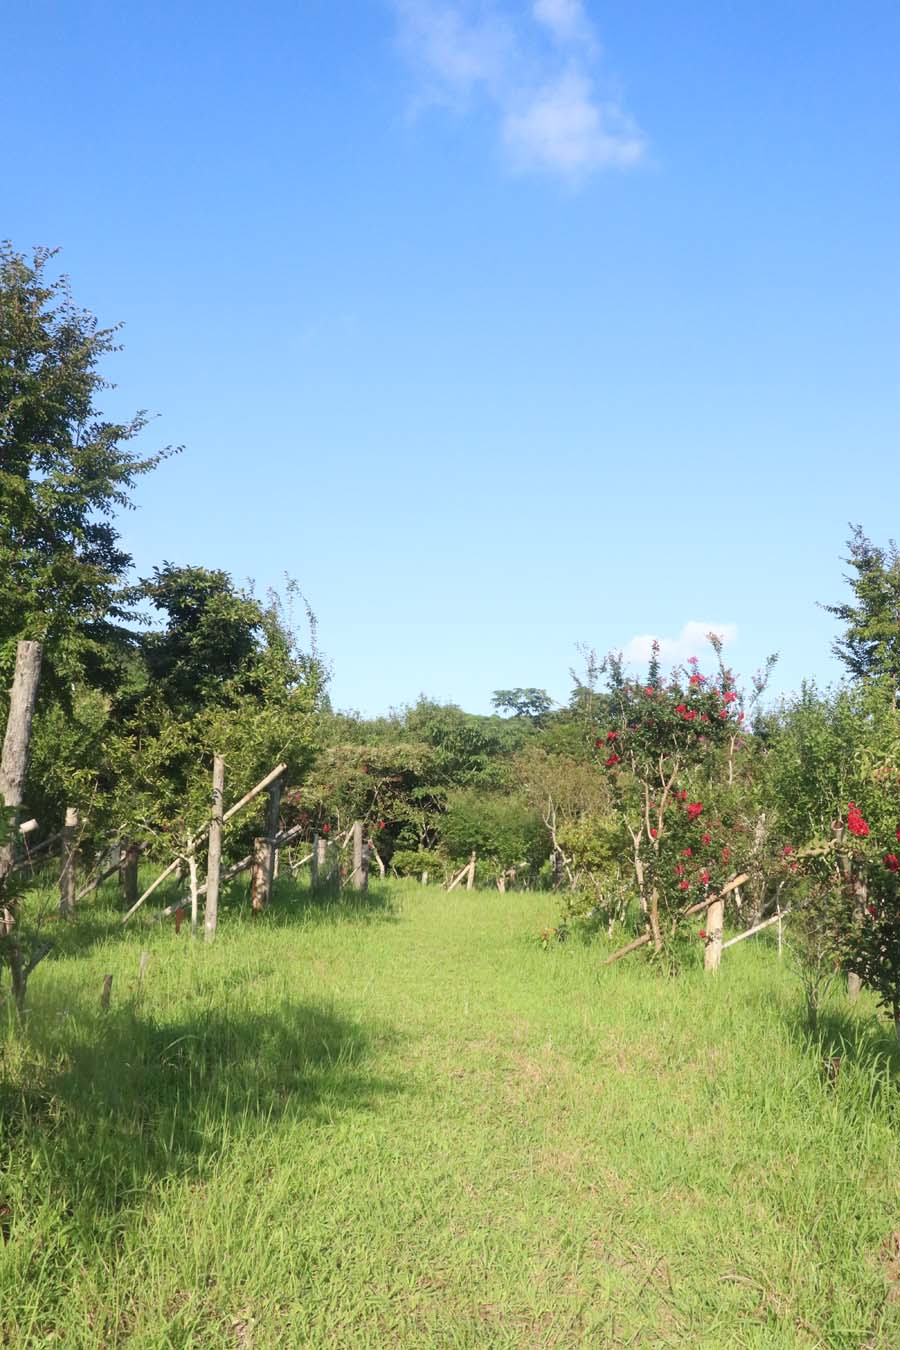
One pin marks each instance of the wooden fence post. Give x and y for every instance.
(470, 880)
(69, 860)
(259, 875)
(360, 858)
(715, 918)
(128, 872)
(214, 855)
(321, 870)
(314, 864)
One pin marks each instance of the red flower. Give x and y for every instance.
(726, 854)
(898, 831)
(702, 933)
(325, 829)
(704, 877)
(653, 831)
(694, 809)
(611, 736)
(872, 911)
(703, 717)
(855, 823)
(687, 853)
(723, 714)
(682, 796)
(597, 744)
(679, 869)
(382, 824)
(683, 885)
(740, 717)
(788, 849)
(892, 862)
(613, 759)
(706, 838)
(681, 709)
(729, 696)
(697, 679)
(649, 691)
(690, 715)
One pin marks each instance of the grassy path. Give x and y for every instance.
(421, 1129)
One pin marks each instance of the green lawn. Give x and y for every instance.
(410, 1125)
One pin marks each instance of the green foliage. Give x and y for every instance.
(532, 703)
(413, 862)
(500, 827)
(870, 645)
(256, 701)
(64, 470)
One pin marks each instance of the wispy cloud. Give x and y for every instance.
(535, 68)
(674, 651)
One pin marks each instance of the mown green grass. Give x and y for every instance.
(408, 1124)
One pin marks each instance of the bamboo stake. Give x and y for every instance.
(757, 928)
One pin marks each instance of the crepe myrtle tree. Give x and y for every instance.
(670, 751)
(845, 904)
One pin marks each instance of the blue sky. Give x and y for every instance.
(501, 327)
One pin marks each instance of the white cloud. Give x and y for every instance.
(565, 19)
(674, 651)
(545, 99)
(568, 129)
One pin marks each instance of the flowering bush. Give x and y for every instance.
(870, 932)
(672, 777)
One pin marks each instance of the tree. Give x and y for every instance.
(533, 703)
(64, 470)
(870, 645)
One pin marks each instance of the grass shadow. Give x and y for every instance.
(98, 1108)
(856, 1054)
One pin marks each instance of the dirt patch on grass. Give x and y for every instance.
(890, 1264)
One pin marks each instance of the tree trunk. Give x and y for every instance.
(470, 880)
(854, 984)
(13, 768)
(69, 861)
(214, 855)
(14, 761)
(715, 918)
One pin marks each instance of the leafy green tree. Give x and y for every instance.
(532, 703)
(64, 471)
(255, 698)
(502, 828)
(870, 644)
